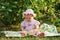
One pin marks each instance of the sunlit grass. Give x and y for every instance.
(2, 37)
(31, 38)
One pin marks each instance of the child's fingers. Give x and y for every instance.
(23, 33)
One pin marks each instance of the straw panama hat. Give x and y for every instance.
(29, 11)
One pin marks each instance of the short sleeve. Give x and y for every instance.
(37, 22)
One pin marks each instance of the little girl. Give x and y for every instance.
(30, 26)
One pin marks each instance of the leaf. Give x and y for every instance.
(53, 0)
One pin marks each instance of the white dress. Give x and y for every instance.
(29, 25)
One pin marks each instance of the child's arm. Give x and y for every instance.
(36, 25)
(22, 28)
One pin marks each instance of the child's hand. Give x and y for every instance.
(23, 33)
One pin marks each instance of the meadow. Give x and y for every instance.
(47, 11)
(2, 37)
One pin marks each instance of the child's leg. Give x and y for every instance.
(33, 32)
(23, 33)
(41, 34)
(37, 33)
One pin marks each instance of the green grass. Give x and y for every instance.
(2, 37)
(31, 38)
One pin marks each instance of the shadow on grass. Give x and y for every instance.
(2, 37)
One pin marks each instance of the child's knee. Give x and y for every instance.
(23, 33)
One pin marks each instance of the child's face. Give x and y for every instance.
(28, 17)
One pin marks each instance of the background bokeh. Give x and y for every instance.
(48, 11)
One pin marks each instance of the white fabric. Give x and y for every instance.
(12, 33)
(29, 25)
(44, 27)
(18, 34)
(51, 34)
(49, 28)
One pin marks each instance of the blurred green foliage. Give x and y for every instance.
(48, 11)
